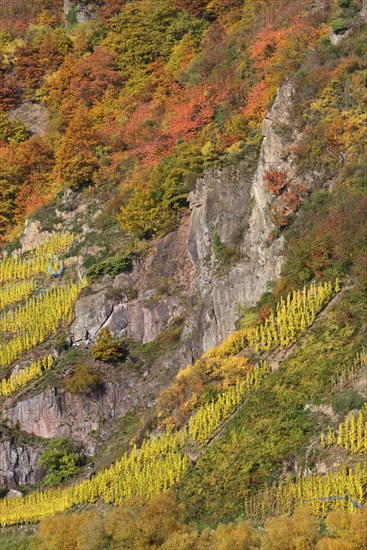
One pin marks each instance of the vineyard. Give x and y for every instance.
(153, 469)
(12, 293)
(208, 419)
(292, 317)
(40, 259)
(40, 318)
(22, 378)
(340, 490)
(351, 434)
(163, 461)
(29, 315)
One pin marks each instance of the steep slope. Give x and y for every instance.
(53, 414)
(115, 286)
(275, 434)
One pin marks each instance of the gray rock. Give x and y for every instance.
(91, 314)
(163, 283)
(83, 12)
(14, 494)
(335, 39)
(142, 320)
(32, 236)
(236, 202)
(18, 464)
(118, 320)
(146, 320)
(220, 202)
(32, 115)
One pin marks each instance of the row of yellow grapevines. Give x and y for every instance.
(26, 375)
(15, 292)
(38, 319)
(343, 489)
(208, 418)
(14, 269)
(153, 469)
(351, 433)
(291, 317)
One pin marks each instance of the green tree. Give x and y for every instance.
(10, 179)
(61, 461)
(12, 131)
(145, 31)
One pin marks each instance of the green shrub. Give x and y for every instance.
(61, 461)
(12, 246)
(110, 266)
(62, 344)
(218, 246)
(145, 31)
(348, 401)
(82, 381)
(339, 25)
(350, 6)
(72, 15)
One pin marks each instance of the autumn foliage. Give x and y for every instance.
(289, 195)
(134, 93)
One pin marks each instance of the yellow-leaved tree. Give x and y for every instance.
(75, 155)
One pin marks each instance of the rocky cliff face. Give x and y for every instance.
(18, 464)
(83, 12)
(55, 412)
(233, 206)
(161, 283)
(32, 115)
(180, 278)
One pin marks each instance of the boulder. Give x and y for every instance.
(83, 12)
(14, 494)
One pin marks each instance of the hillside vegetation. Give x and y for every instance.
(262, 441)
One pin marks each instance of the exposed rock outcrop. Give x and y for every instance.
(55, 413)
(220, 203)
(92, 313)
(18, 464)
(13, 493)
(162, 282)
(32, 115)
(32, 236)
(336, 39)
(83, 12)
(234, 203)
